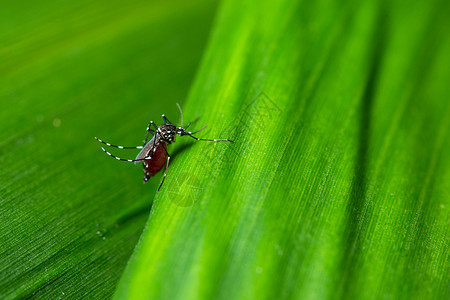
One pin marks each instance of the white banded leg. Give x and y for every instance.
(167, 166)
(166, 121)
(150, 130)
(165, 173)
(209, 140)
(115, 146)
(123, 159)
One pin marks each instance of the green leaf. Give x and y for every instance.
(70, 216)
(337, 185)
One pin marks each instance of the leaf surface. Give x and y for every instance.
(337, 185)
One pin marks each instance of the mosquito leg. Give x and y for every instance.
(123, 159)
(166, 121)
(115, 146)
(151, 152)
(193, 122)
(167, 166)
(149, 130)
(154, 125)
(209, 140)
(198, 130)
(165, 173)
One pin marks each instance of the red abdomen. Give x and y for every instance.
(156, 163)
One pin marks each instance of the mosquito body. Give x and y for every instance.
(154, 156)
(154, 153)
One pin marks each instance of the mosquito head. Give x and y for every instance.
(181, 131)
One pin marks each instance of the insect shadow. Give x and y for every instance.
(154, 153)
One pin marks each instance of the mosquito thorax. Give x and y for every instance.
(168, 132)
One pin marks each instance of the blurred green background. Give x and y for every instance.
(338, 185)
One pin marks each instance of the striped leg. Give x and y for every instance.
(193, 122)
(166, 121)
(167, 166)
(122, 159)
(209, 140)
(149, 130)
(165, 173)
(115, 146)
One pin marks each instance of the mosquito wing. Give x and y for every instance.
(145, 151)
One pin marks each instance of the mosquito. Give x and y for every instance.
(154, 153)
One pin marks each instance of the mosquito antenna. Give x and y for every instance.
(181, 114)
(115, 146)
(198, 130)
